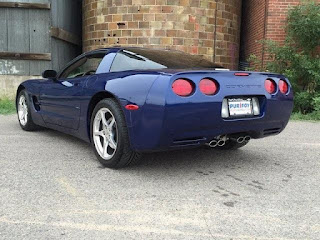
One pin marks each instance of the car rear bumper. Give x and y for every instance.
(176, 127)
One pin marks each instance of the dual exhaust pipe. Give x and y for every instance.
(242, 139)
(215, 143)
(221, 140)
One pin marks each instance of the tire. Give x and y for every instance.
(232, 145)
(109, 136)
(23, 105)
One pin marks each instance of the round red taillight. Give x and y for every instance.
(283, 86)
(182, 87)
(208, 86)
(270, 86)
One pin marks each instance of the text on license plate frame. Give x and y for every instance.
(240, 107)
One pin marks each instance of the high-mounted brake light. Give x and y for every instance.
(182, 87)
(283, 86)
(270, 86)
(208, 86)
(241, 74)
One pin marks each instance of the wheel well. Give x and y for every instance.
(20, 88)
(93, 102)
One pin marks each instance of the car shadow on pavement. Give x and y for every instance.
(62, 137)
(197, 159)
(175, 160)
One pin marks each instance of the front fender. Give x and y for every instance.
(32, 88)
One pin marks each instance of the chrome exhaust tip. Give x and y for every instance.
(221, 143)
(213, 143)
(247, 138)
(218, 141)
(240, 140)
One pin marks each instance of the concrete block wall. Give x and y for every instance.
(10, 83)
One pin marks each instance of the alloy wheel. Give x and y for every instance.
(23, 110)
(105, 133)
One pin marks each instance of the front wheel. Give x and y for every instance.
(109, 136)
(24, 112)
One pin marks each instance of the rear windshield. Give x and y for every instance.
(132, 59)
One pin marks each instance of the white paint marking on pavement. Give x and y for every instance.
(312, 144)
(137, 229)
(63, 181)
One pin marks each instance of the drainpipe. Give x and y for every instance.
(215, 32)
(264, 31)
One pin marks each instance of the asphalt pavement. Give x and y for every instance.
(52, 187)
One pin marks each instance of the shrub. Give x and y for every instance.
(303, 102)
(316, 103)
(298, 57)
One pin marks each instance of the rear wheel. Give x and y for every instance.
(24, 114)
(109, 136)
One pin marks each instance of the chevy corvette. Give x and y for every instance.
(126, 101)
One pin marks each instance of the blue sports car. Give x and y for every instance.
(126, 101)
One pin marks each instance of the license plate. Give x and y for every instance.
(240, 107)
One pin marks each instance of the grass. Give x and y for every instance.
(7, 106)
(314, 116)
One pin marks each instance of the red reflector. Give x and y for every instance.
(182, 87)
(132, 107)
(283, 86)
(208, 86)
(241, 74)
(270, 86)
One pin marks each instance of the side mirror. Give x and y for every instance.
(49, 74)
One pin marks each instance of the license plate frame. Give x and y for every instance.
(240, 107)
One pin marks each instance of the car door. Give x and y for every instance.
(60, 99)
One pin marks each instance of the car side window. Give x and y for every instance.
(126, 60)
(85, 66)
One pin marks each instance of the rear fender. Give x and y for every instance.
(147, 128)
(127, 89)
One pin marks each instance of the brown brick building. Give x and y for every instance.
(263, 19)
(208, 28)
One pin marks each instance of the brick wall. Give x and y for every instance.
(252, 28)
(187, 25)
(277, 18)
(256, 26)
